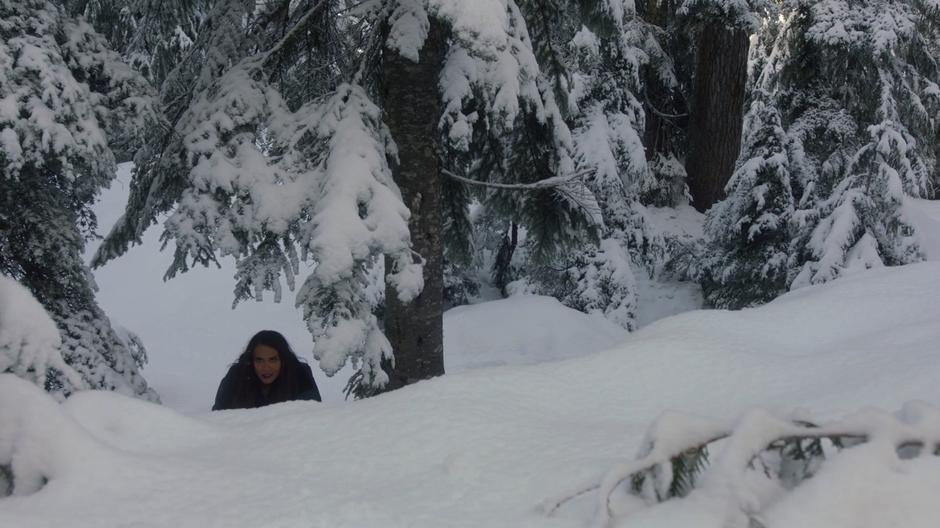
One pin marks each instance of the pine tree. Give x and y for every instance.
(68, 101)
(666, 79)
(261, 161)
(748, 233)
(153, 36)
(504, 123)
(412, 104)
(888, 95)
(607, 120)
(718, 93)
(851, 153)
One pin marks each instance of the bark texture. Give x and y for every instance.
(412, 111)
(717, 111)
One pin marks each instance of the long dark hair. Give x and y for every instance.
(247, 388)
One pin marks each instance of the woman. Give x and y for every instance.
(267, 372)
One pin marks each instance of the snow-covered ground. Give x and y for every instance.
(925, 215)
(487, 446)
(659, 298)
(539, 400)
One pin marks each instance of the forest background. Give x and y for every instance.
(387, 160)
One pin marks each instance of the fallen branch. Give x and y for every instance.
(791, 440)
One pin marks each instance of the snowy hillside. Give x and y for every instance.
(487, 447)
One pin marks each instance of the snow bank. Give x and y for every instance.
(38, 442)
(924, 215)
(864, 488)
(753, 464)
(29, 339)
(522, 330)
(487, 447)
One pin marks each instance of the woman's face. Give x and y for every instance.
(267, 363)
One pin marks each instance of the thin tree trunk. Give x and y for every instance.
(717, 111)
(412, 111)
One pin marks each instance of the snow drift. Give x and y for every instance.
(487, 447)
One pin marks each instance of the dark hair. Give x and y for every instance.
(247, 387)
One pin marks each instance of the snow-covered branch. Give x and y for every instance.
(29, 339)
(675, 456)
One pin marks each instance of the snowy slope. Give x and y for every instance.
(485, 447)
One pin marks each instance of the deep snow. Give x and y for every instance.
(539, 400)
(486, 447)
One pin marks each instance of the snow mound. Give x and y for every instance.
(748, 469)
(925, 217)
(522, 330)
(488, 446)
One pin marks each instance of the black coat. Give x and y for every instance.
(225, 397)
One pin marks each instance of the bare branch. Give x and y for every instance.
(551, 506)
(294, 30)
(662, 114)
(548, 183)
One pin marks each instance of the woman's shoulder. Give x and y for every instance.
(226, 391)
(304, 368)
(307, 385)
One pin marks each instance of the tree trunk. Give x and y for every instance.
(412, 111)
(502, 266)
(717, 111)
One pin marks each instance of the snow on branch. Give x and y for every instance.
(29, 339)
(674, 459)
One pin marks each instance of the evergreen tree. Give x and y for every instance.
(850, 211)
(259, 163)
(412, 104)
(607, 119)
(68, 100)
(850, 153)
(505, 124)
(666, 80)
(151, 35)
(718, 96)
(748, 233)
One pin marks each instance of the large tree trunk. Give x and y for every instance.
(412, 111)
(717, 111)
